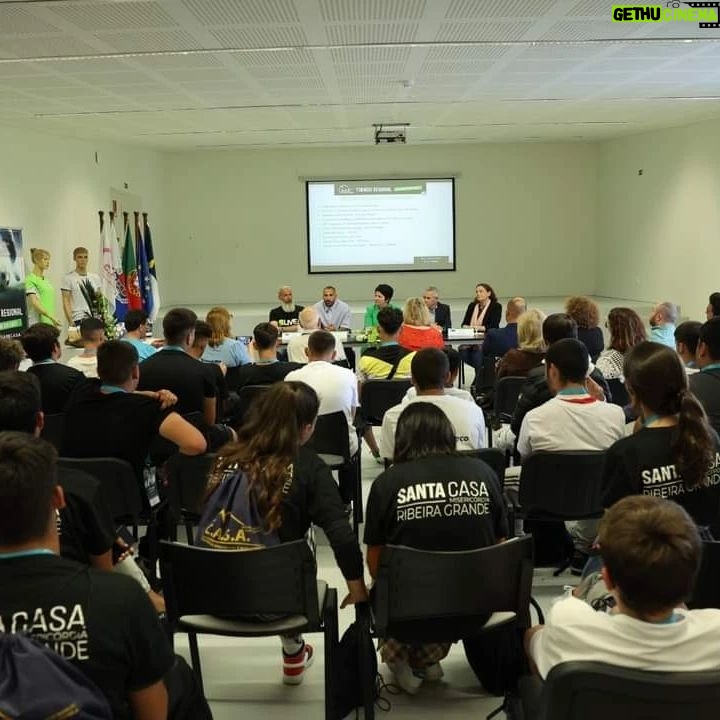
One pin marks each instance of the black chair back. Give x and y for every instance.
(596, 691)
(485, 379)
(432, 587)
(562, 485)
(119, 484)
(706, 593)
(52, 431)
(279, 580)
(619, 392)
(378, 396)
(246, 396)
(507, 392)
(490, 456)
(187, 480)
(331, 436)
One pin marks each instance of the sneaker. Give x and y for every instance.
(433, 673)
(405, 677)
(294, 666)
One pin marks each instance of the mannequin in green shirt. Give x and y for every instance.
(38, 290)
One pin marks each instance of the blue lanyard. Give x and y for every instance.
(111, 389)
(25, 553)
(572, 391)
(711, 366)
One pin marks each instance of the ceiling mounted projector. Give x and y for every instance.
(395, 133)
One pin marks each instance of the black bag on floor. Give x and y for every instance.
(497, 658)
(355, 667)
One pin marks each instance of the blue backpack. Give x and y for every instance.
(231, 519)
(37, 684)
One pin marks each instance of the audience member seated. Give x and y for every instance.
(11, 354)
(416, 331)
(85, 525)
(662, 324)
(483, 313)
(136, 325)
(626, 331)
(531, 351)
(216, 371)
(383, 296)
(535, 390)
(499, 340)
(674, 451)
(292, 489)
(222, 346)
(587, 316)
(334, 314)
(108, 627)
(107, 418)
(267, 369)
(389, 359)
(285, 316)
(41, 344)
(571, 420)
(297, 347)
(713, 308)
(430, 371)
(425, 458)
(705, 385)
(92, 336)
(687, 335)
(651, 554)
(450, 388)
(174, 369)
(337, 390)
(439, 312)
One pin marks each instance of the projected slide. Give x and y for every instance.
(380, 225)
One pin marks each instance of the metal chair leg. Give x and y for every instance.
(195, 659)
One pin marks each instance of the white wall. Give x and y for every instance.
(659, 232)
(52, 188)
(525, 220)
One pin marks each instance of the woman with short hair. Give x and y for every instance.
(587, 316)
(519, 361)
(417, 332)
(382, 297)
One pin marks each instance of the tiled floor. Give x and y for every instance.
(243, 677)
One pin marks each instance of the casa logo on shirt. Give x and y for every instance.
(456, 498)
(666, 482)
(61, 628)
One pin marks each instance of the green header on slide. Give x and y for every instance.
(381, 187)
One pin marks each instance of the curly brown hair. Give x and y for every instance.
(583, 311)
(626, 329)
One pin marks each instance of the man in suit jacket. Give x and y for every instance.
(439, 312)
(499, 340)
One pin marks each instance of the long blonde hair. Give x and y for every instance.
(416, 312)
(219, 321)
(529, 330)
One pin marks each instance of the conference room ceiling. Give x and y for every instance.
(187, 74)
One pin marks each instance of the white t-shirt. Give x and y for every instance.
(298, 344)
(465, 417)
(86, 365)
(71, 283)
(571, 422)
(575, 632)
(454, 391)
(336, 388)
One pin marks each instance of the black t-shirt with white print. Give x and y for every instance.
(642, 464)
(440, 502)
(102, 622)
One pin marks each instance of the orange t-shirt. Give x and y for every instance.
(417, 338)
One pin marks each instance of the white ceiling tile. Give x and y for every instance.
(482, 31)
(43, 46)
(240, 12)
(259, 36)
(358, 33)
(136, 15)
(460, 9)
(343, 11)
(16, 20)
(149, 41)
